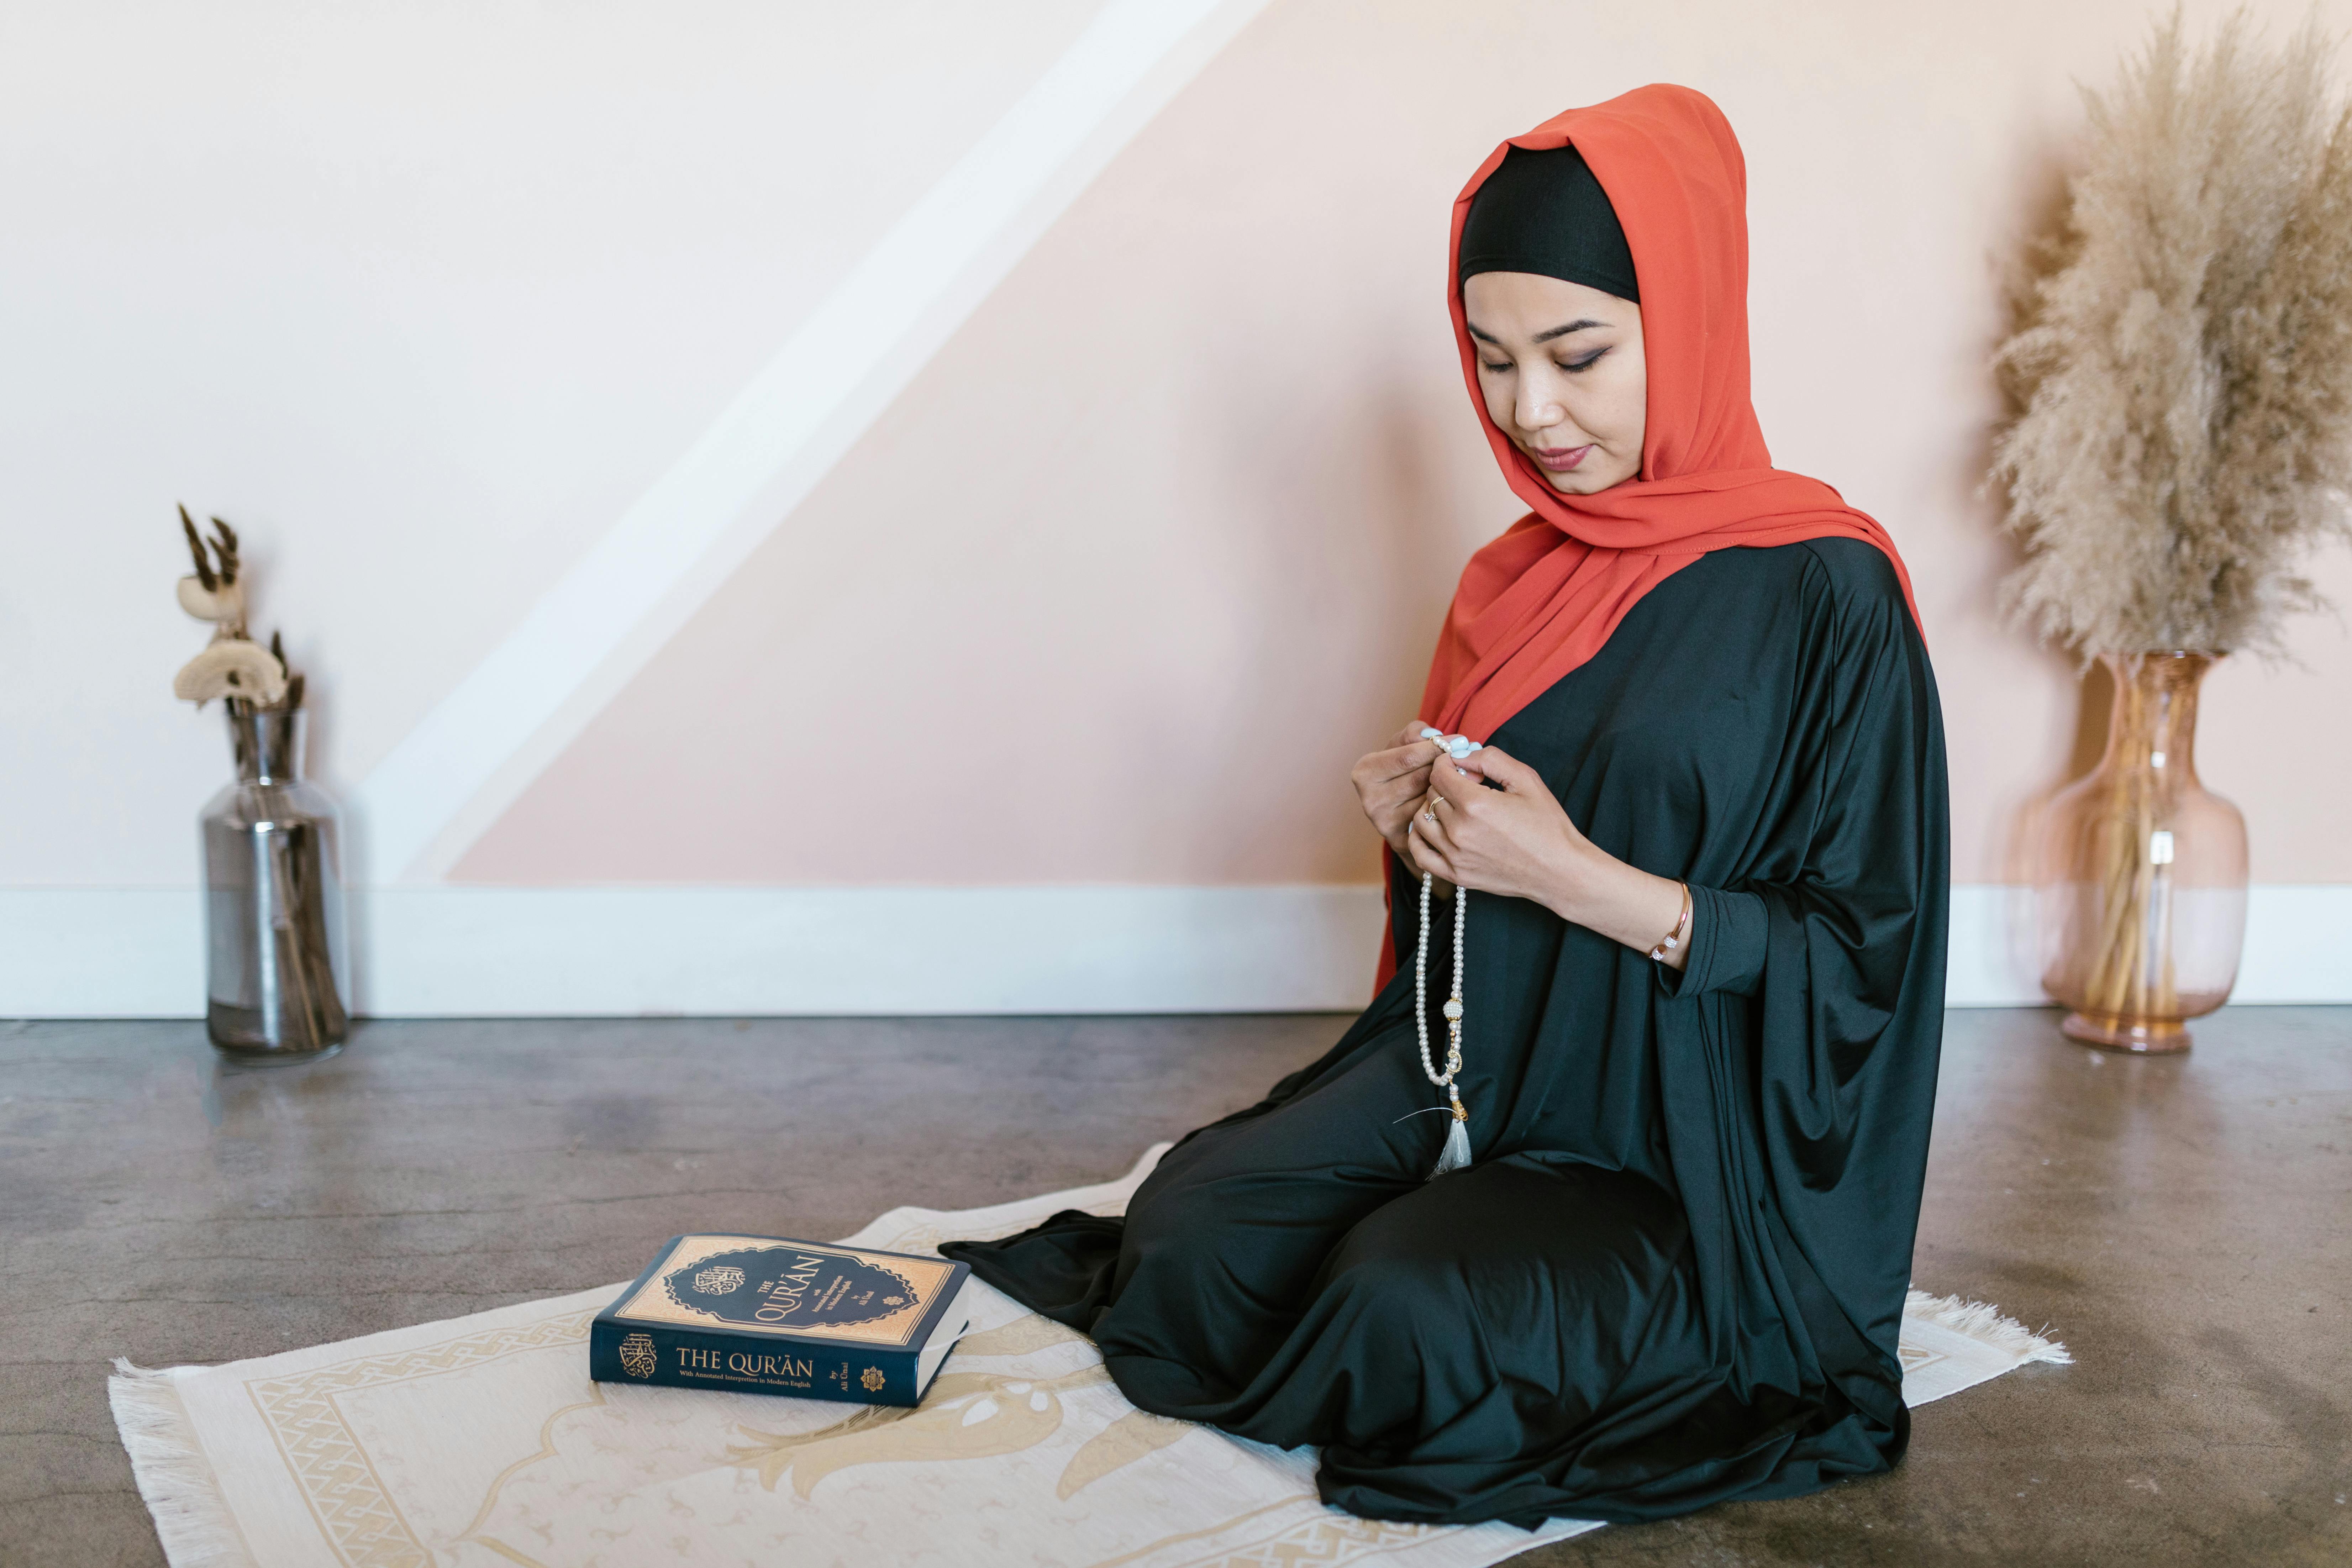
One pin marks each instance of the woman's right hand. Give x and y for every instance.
(1391, 785)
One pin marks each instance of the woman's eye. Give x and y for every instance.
(1587, 363)
(1497, 369)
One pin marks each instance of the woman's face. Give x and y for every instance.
(1562, 370)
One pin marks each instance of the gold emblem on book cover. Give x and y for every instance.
(672, 1293)
(638, 1355)
(873, 1379)
(720, 1280)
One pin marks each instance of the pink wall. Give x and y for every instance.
(424, 298)
(1118, 590)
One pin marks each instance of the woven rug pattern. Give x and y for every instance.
(480, 1443)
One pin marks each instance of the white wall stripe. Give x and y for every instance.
(489, 951)
(482, 744)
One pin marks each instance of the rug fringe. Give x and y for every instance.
(1984, 1322)
(182, 1492)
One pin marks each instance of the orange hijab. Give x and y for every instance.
(1544, 597)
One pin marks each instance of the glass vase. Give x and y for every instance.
(2141, 894)
(278, 982)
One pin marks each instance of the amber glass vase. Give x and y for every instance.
(2141, 896)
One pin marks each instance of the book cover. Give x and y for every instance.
(766, 1315)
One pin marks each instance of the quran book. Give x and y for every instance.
(765, 1314)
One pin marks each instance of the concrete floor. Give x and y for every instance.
(2181, 1224)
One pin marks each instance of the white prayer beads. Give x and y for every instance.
(1456, 1153)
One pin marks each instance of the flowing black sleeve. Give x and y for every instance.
(1851, 981)
(1800, 1044)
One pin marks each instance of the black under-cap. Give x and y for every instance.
(1545, 212)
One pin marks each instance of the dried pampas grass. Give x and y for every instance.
(2183, 374)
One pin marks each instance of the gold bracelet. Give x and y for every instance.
(1675, 938)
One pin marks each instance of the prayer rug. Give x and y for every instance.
(480, 1443)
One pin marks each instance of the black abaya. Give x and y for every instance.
(1676, 1272)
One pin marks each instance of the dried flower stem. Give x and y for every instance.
(2131, 964)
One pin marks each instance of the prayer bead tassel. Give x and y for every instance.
(1456, 1154)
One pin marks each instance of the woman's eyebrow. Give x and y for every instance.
(1582, 323)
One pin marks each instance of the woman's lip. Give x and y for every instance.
(1559, 460)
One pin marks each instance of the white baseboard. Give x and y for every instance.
(462, 951)
(468, 952)
(2298, 946)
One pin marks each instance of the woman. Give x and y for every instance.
(1674, 1269)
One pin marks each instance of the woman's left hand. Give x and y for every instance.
(1515, 840)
